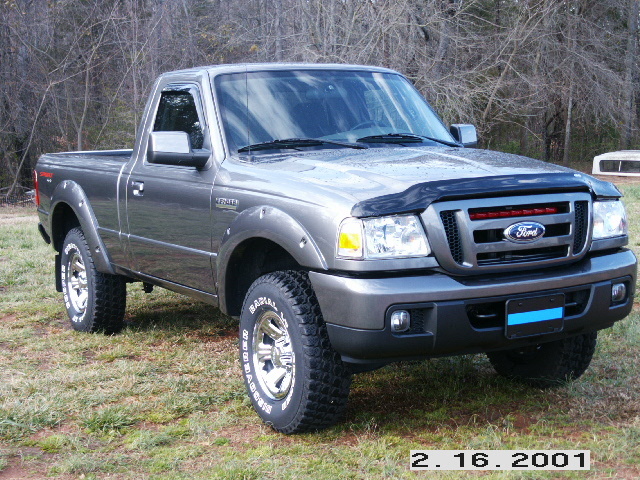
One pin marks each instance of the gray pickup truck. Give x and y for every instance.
(330, 209)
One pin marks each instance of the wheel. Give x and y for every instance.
(548, 364)
(295, 380)
(95, 301)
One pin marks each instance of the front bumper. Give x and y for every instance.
(458, 315)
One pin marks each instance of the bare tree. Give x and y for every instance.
(551, 78)
(630, 77)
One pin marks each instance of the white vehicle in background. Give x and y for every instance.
(624, 163)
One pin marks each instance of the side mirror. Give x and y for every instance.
(465, 134)
(174, 148)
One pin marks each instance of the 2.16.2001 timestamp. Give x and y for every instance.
(500, 459)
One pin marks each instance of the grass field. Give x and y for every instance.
(165, 398)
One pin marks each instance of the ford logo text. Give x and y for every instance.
(524, 232)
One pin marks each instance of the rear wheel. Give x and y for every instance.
(95, 301)
(295, 380)
(547, 364)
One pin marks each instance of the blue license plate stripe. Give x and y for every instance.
(535, 316)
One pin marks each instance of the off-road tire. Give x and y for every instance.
(98, 303)
(318, 381)
(548, 364)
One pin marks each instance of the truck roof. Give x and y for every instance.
(258, 67)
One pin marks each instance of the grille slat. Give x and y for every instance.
(581, 226)
(453, 235)
(519, 256)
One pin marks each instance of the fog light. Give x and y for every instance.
(400, 321)
(618, 292)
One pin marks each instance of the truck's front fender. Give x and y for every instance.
(71, 194)
(264, 222)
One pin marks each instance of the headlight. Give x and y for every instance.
(382, 237)
(609, 219)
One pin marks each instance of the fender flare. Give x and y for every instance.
(71, 194)
(272, 224)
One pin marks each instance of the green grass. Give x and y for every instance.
(165, 399)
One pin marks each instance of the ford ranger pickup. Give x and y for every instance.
(330, 209)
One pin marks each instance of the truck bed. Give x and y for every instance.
(107, 158)
(97, 174)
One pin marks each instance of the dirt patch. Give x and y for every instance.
(17, 472)
(151, 426)
(40, 332)
(89, 356)
(241, 435)
(623, 473)
(215, 337)
(61, 429)
(6, 219)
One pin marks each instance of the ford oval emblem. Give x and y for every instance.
(524, 232)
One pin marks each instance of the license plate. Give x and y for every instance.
(534, 316)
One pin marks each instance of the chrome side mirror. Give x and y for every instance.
(174, 148)
(465, 134)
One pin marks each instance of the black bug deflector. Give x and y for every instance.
(418, 197)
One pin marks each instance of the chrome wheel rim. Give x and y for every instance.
(273, 357)
(77, 287)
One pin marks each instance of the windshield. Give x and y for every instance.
(343, 106)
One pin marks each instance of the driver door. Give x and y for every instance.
(169, 206)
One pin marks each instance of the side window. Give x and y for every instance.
(177, 112)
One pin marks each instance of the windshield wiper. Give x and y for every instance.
(403, 138)
(296, 143)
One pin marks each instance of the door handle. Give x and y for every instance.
(138, 188)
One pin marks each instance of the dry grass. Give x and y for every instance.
(164, 399)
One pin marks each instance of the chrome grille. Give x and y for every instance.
(462, 245)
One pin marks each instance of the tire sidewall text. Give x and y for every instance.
(276, 412)
(74, 245)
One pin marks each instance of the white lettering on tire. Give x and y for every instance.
(287, 400)
(262, 301)
(65, 294)
(247, 369)
(63, 274)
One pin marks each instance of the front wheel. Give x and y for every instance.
(295, 380)
(95, 301)
(547, 364)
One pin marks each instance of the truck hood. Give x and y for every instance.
(399, 179)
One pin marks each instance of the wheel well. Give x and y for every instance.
(63, 219)
(250, 260)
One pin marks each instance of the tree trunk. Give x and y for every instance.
(449, 8)
(630, 70)
(571, 44)
(277, 8)
(567, 130)
(85, 105)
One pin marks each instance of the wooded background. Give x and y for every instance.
(553, 79)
